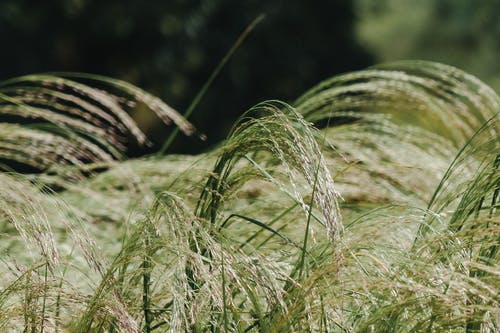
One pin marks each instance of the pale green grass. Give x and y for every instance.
(386, 223)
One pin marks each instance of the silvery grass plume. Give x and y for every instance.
(178, 275)
(48, 275)
(248, 237)
(276, 128)
(438, 97)
(443, 275)
(70, 118)
(401, 122)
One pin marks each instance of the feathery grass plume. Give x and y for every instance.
(429, 289)
(43, 219)
(378, 282)
(21, 206)
(395, 163)
(464, 103)
(45, 148)
(23, 301)
(281, 131)
(136, 95)
(448, 280)
(151, 273)
(275, 134)
(405, 123)
(471, 184)
(41, 282)
(467, 199)
(127, 189)
(219, 284)
(441, 98)
(146, 255)
(89, 123)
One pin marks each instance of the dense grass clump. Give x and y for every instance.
(384, 220)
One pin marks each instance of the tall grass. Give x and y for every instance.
(384, 220)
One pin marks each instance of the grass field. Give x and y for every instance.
(369, 204)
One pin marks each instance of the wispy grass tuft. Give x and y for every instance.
(70, 118)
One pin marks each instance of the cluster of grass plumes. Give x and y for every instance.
(385, 220)
(73, 119)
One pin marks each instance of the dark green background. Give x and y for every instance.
(170, 47)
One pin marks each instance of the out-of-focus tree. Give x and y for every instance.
(171, 47)
(462, 33)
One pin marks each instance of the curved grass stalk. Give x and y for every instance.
(471, 180)
(441, 98)
(87, 123)
(280, 131)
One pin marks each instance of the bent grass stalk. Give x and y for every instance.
(241, 38)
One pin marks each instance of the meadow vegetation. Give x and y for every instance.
(369, 204)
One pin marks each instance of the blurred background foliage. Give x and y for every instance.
(461, 33)
(170, 47)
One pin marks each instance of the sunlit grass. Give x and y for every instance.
(384, 220)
